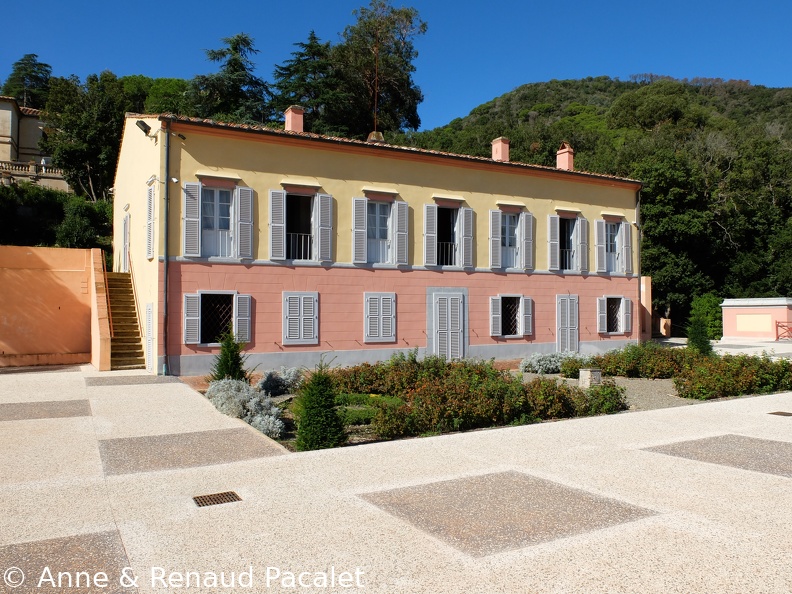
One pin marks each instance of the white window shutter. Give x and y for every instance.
(388, 312)
(192, 318)
(495, 239)
(191, 232)
(242, 311)
(526, 305)
(402, 229)
(359, 238)
(496, 325)
(430, 235)
(600, 257)
(150, 223)
(626, 311)
(627, 262)
(553, 234)
(455, 323)
(310, 318)
(244, 221)
(324, 230)
(602, 315)
(150, 336)
(466, 216)
(441, 323)
(562, 323)
(526, 224)
(573, 323)
(582, 227)
(277, 225)
(291, 318)
(372, 321)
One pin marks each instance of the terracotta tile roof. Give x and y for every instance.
(261, 129)
(25, 110)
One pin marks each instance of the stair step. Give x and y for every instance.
(124, 367)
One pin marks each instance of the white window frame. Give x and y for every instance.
(192, 308)
(624, 263)
(397, 231)
(321, 226)
(625, 315)
(524, 257)
(524, 316)
(379, 317)
(306, 316)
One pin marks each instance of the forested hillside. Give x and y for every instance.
(715, 158)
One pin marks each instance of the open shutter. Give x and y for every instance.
(455, 327)
(573, 323)
(553, 233)
(244, 220)
(562, 323)
(583, 244)
(496, 325)
(401, 213)
(291, 318)
(242, 318)
(626, 231)
(466, 216)
(495, 239)
(600, 257)
(150, 223)
(324, 230)
(277, 225)
(191, 232)
(526, 240)
(359, 239)
(192, 319)
(602, 315)
(150, 336)
(526, 313)
(372, 321)
(309, 331)
(626, 311)
(430, 234)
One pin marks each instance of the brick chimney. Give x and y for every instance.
(565, 157)
(294, 119)
(500, 149)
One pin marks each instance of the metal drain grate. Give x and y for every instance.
(781, 414)
(216, 498)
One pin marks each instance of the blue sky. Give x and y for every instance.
(472, 52)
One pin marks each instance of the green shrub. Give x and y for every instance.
(550, 399)
(229, 363)
(603, 399)
(571, 366)
(357, 415)
(285, 381)
(708, 308)
(698, 338)
(728, 376)
(320, 425)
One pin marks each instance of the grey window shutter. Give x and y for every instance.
(191, 233)
(402, 229)
(526, 240)
(372, 321)
(583, 244)
(150, 336)
(626, 311)
(192, 319)
(277, 225)
(309, 331)
(495, 239)
(430, 234)
(600, 258)
(150, 223)
(455, 328)
(441, 334)
(359, 238)
(602, 314)
(291, 318)
(562, 323)
(324, 230)
(388, 312)
(526, 304)
(244, 220)
(466, 215)
(573, 323)
(242, 317)
(380, 317)
(626, 231)
(496, 326)
(553, 233)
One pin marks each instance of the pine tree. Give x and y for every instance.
(229, 363)
(320, 425)
(28, 82)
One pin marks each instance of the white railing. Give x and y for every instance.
(30, 169)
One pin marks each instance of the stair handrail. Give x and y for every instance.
(141, 328)
(107, 295)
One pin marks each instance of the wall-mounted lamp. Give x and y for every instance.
(151, 180)
(182, 136)
(126, 207)
(143, 126)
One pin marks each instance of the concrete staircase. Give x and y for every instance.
(126, 349)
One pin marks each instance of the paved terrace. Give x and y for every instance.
(98, 474)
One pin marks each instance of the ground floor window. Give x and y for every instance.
(511, 315)
(301, 318)
(208, 315)
(380, 317)
(614, 315)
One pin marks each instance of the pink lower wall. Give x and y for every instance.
(755, 322)
(45, 306)
(341, 292)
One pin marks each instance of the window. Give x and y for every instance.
(207, 315)
(217, 221)
(379, 232)
(301, 226)
(301, 318)
(568, 243)
(511, 316)
(567, 336)
(511, 240)
(448, 236)
(380, 317)
(614, 315)
(614, 246)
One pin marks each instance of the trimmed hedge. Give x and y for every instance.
(734, 375)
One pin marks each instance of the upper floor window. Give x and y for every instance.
(614, 246)
(301, 226)
(567, 243)
(511, 240)
(217, 221)
(448, 236)
(379, 231)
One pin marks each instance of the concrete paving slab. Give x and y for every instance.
(129, 380)
(53, 409)
(38, 387)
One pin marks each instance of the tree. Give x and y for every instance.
(229, 363)
(234, 93)
(319, 426)
(136, 89)
(376, 63)
(28, 82)
(169, 95)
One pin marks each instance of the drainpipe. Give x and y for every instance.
(165, 266)
(640, 270)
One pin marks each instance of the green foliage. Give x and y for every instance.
(604, 399)
(698, 338)
(707, 307)
(729, 376)
(571, 366)
(647, 360)
(544, 362)
(168, 95)
(237, 398)
(319, 426)
(85, 224)
(229, 363)
(28, 82)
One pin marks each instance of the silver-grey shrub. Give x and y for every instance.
(544, 362)
(285, 381)
(238, 399)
